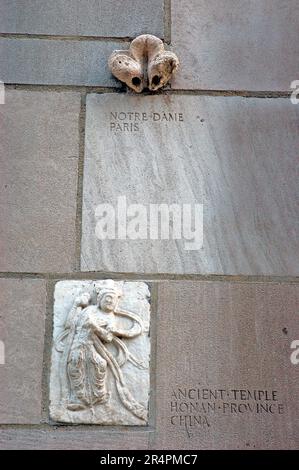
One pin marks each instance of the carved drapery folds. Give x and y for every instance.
(144, 64)
(100, 357)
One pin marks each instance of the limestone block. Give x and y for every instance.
(231, 155)
(68, 438)
(235, 45)
(22, 329)
(224, 377)
(39, 153)
(125, 18)
(57, 62)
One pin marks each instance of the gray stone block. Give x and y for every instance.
(77, 18)
(22, 320)
(57, 62)
(243, 45)
(39, 134)
(224, 375)
(64, 438)
(231, 154)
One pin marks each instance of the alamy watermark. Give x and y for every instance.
(151, 222)
(2, 93)
(295, 94)
(295, 354)
(2, 353)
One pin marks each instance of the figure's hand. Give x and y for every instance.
(109, 332)
(109, 337)
(105, 335)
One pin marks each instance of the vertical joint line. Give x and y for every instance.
(167, 21)
(79, 201)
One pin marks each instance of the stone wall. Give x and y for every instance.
(224, 317)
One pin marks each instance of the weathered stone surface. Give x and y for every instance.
(243, 45)
(39, 136)
(59, 62)
(22, 332)
(64, 438)
(77, 18)
(101, 353)
(231, 154)
(214, 336)
(145, 64)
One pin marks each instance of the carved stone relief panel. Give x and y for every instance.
(101, 353)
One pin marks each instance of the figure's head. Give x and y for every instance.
(108, 301)
(108, 294)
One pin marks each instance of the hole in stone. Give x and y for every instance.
(136, 81)
(156, 80)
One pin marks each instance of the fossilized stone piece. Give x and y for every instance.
(146, 63)
(101, 353)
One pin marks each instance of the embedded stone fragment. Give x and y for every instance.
(146, 63)
(101, 353)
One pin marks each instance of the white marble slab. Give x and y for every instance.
(100, 356)
(236, 156)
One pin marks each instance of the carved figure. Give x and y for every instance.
(145, 63)
(85, 357)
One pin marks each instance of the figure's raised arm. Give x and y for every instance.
(135, 330)
(81, 302)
